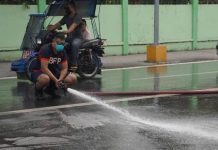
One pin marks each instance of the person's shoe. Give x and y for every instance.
(39, 94)
(51, 92)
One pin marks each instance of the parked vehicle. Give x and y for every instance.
(90, 53)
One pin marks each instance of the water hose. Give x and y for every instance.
(178, 92)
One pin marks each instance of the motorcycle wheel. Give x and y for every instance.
(30, 63)
(88, 65)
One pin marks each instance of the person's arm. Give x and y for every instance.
(64, 68)
(57, 25)
(71, 28)
(74, 25)
(44, 68)
(53, 27)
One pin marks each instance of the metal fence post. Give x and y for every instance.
(125, 27)
(41, 4)
(195, 4)
(156, 22)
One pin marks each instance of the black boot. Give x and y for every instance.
(51, 91)
(39, 94)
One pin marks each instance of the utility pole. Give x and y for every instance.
(155, 52)
(41, 5)
(125, 27)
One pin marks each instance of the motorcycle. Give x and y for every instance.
(90, 52)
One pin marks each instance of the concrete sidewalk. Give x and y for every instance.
(173, 57)
(138, 60)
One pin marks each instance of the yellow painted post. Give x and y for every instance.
(156, 52)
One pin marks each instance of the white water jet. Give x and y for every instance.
(180, 128)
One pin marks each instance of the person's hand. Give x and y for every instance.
(57, 83)
(60, 84)
(65, 32)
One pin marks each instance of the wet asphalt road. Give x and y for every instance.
(169, 122)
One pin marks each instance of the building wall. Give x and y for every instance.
(175, 27)
(12, 25)
(207, 23)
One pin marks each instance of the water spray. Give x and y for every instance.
(179, 92)
(179, 128)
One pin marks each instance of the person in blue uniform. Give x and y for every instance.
(52, 68)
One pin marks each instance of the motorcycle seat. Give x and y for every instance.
(90, 43)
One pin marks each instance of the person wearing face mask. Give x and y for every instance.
(51, 69)
(74, 34)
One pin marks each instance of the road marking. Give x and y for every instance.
(6, 78)
(137, 67)
(179, 75)
(81, 104)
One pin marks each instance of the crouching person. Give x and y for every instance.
(52, 68)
